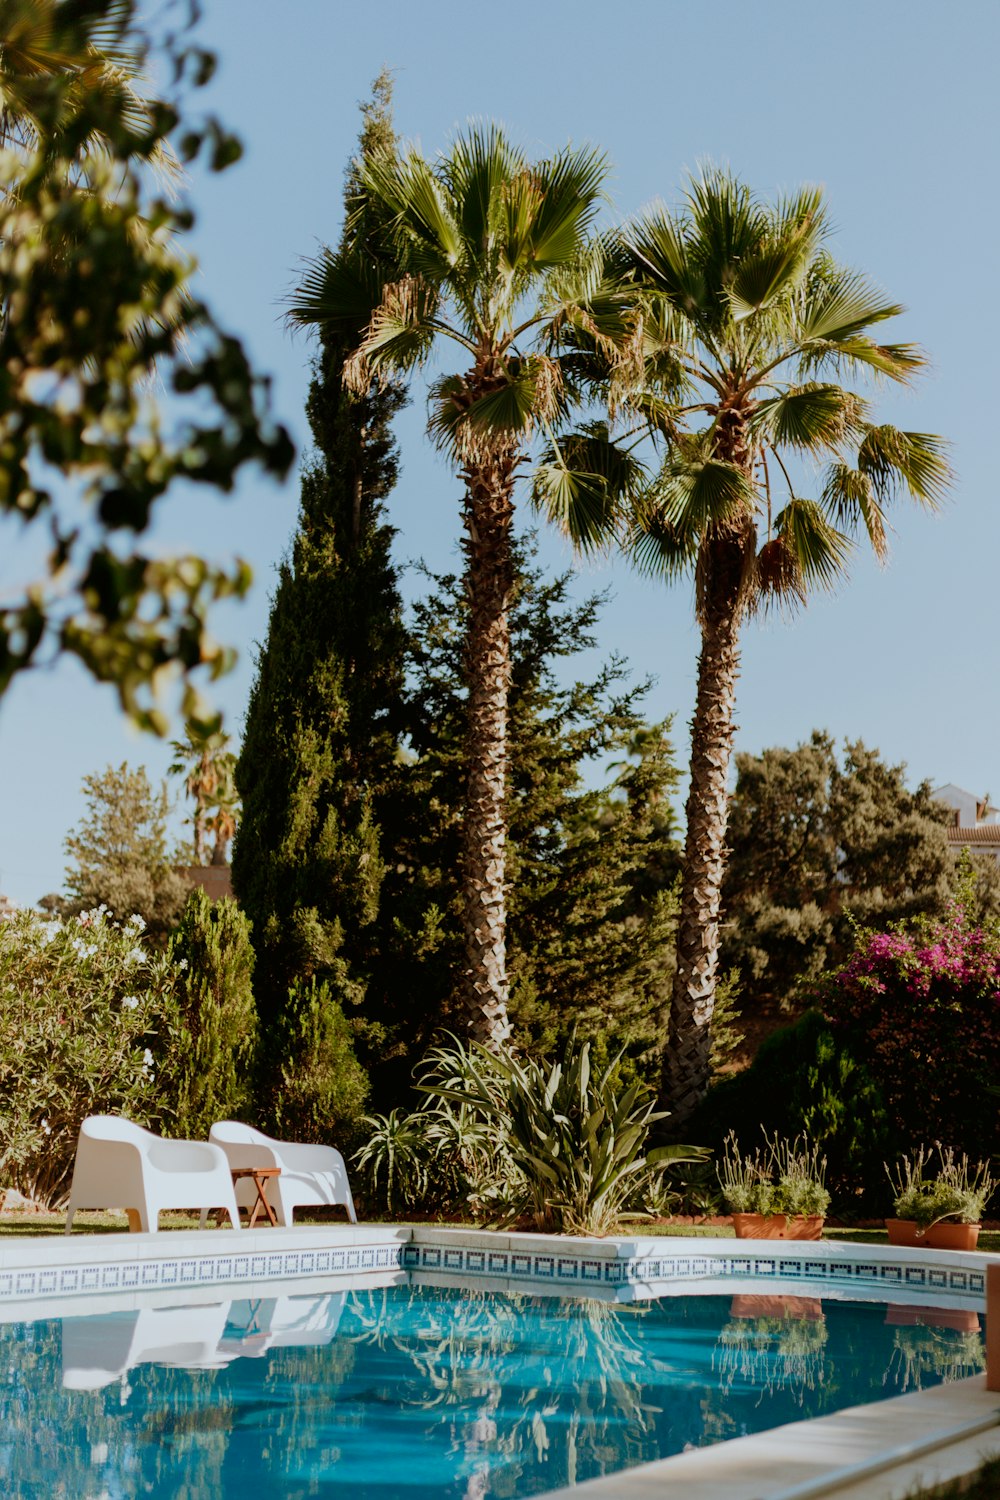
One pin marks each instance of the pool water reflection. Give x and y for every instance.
(419, 1392)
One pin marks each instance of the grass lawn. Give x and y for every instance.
(22, 1225)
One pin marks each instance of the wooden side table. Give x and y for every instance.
(260, 1177)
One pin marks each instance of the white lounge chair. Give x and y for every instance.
(311, 1176)
(121, 1165)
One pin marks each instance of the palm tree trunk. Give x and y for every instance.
(489, 511)
(686, 1065)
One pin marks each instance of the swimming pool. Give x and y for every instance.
(418, 1390)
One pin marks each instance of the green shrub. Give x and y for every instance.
(321, 1088)
(807, 1081)
(210, 1071)
(87, 1013)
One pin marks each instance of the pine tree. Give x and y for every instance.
(212, 1056)
(590, 905)
(321, 736)
(121, 852)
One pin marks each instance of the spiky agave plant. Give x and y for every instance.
(578, 1138)
(745, 329)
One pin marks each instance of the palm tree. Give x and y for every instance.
(208, 766)
(486, 253)
(746, 327)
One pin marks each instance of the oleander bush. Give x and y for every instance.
(87, 1014)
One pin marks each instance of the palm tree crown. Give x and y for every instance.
(487, 253)
(743, 331)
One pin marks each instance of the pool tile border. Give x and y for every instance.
(35, 1270)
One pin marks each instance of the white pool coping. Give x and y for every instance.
(54, 1276)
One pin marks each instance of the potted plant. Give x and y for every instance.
(776, 1194)
(940, 1210)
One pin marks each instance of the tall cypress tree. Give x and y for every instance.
(321, 732)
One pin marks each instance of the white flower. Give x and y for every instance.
(46, 1127)
(135, 956)
(139, 923)
(130, 1002)
(183, 965)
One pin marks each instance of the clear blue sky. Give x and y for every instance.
(890, 105)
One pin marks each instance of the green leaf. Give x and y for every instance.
(820, 550)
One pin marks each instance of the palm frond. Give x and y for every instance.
(399, 335)
(420, 215)
(849, 498)
(839, 303)
(480, 162)
(891, 458)
(898, 362)
(573, 182)
(810, 418)
(704, 492)
(821, 552)
(658, 250)
(584, 485)
(338, 292)
(660, 548)
(783, 260)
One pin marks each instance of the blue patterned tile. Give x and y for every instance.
(977, 1281)
(916, 1276)
(590, 1270)
(817, 1268)
(453, 1260)
(568, 1268)
(520, 1263)
(545, 1265)
(890, 1273)
(498, 1262)
(24, 1284)
(937, 1279)
(431, 1257)
(411, 1257)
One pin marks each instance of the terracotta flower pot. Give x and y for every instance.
(904, 1316)
(808, 1308)
(777, 1227)
(943, 1236)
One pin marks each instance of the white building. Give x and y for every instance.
(974, 823)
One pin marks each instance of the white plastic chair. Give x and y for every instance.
(121, 1165)
(311, 1176)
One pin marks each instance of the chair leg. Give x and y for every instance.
(234, 1217)
(204, 1217)
(70, 1215)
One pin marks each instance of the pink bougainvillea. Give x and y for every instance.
(921, 1006)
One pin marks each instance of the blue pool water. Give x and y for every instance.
(418, 1392)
